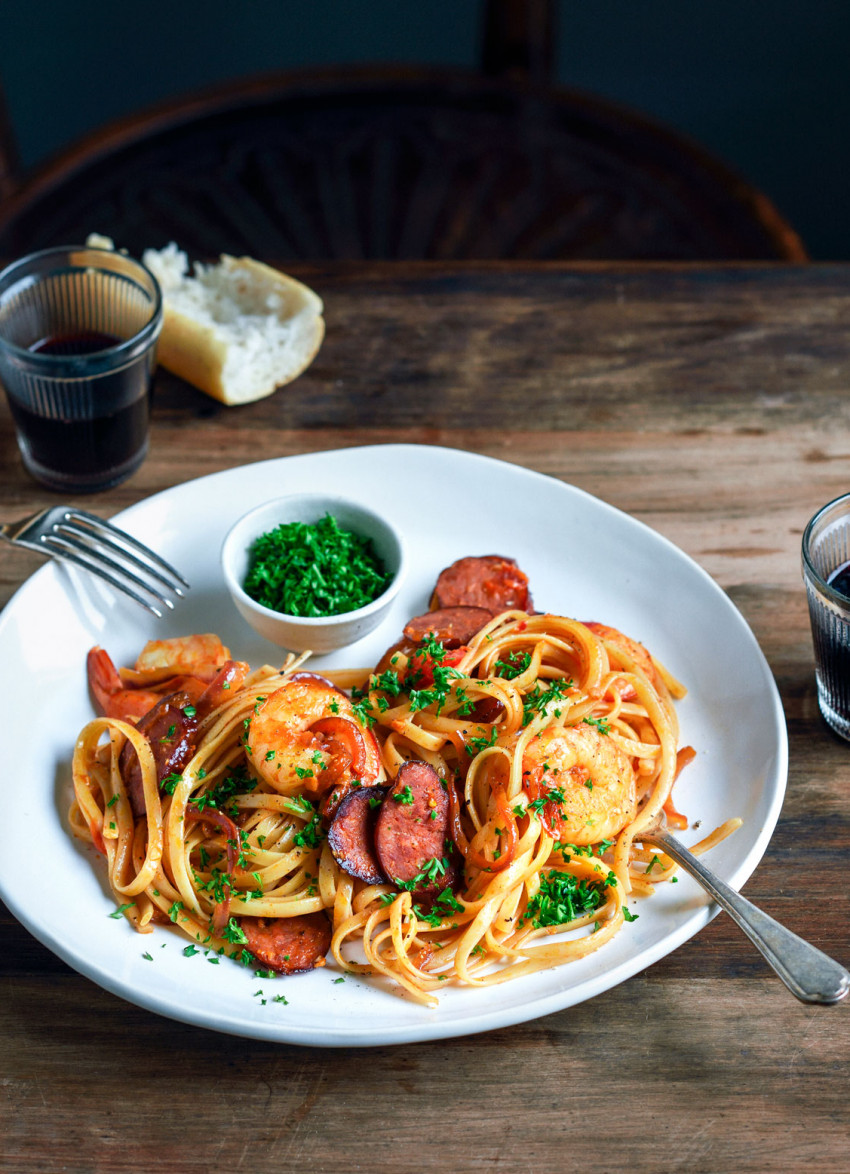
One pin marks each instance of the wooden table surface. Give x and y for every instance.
(712, 404)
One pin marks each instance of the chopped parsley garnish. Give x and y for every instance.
(537, 698)
(476, 745)
(562, 898)
(387, 682)
(218, 885)
(568, 850)
(554, 795)
(170, 783)
(362, 710)
(312, 834)
(437, 693)
(219, 796)
(630, 916)
(314, 569)
(444, 906)
(430, 648)
(602, 726)
(234, 933)
(122, 909)
(466, 704)
(405, 796)
(514, 665)
(430, 873)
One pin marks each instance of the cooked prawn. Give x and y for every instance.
(114, 698)
(131, 699)
(199, 656)
(305, 736)
(633, 650)
(586, 780)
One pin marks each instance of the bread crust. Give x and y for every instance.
(197, 353)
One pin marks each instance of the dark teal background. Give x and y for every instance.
(764, 86)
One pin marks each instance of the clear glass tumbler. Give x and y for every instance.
(826, 573)
(78, 334)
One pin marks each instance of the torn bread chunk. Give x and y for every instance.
(236, 329)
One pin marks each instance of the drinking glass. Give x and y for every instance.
(78, 334)
(826, 573)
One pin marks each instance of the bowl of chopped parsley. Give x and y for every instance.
(313, 572)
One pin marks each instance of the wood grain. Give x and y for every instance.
(710, 403)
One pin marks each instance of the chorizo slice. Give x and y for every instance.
(351, 836)
(489, 581)
(411, 829)
(172, 734)
(452, 626)
(288, 945)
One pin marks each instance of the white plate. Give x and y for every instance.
(583, 558)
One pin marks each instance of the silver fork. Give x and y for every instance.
(808, 973)
(103, 549)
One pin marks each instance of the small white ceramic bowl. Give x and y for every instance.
(299, 633)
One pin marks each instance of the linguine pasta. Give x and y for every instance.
(555, 745)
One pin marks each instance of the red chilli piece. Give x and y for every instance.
(549, 814)
(421, 665)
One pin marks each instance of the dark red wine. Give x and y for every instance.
(80, 342)
(839, 580)
(85, 448)
(84, 433)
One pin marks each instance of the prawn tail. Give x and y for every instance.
(104, 681)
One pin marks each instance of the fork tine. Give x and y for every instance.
(97, 543)
(103, 530)
(64, 542)
(96, 567)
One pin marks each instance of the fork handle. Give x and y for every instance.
(807, 972)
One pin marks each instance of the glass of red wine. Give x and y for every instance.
(826, 573)
(78, 334)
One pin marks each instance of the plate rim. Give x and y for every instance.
(472, 1022)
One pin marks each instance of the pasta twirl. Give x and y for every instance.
(555, 742)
